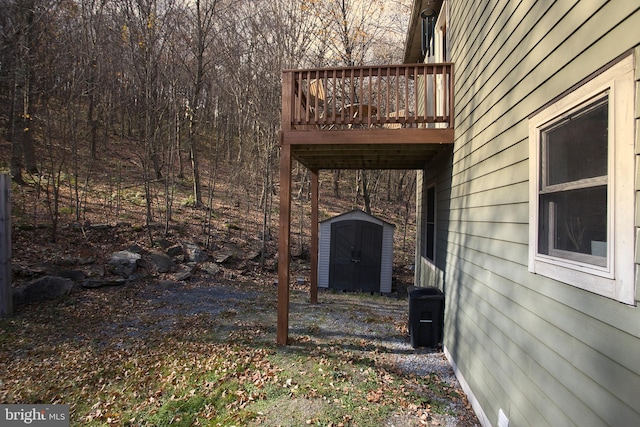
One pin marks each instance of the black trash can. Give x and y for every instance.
(426, 316)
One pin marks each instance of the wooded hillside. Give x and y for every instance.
(163, 115)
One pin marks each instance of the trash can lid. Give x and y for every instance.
(424, 293)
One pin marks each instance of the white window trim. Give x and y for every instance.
(616, 280)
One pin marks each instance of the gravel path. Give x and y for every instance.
(378, 324)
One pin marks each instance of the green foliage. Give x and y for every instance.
(177, 412)
(189, 202)
(136, 198)
(65, 210)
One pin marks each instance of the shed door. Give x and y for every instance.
(355, 258)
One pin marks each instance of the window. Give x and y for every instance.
(429, 218)
(582, 187)
(572, 219)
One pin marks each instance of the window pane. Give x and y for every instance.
(431, 234)
(577, 148)
(574, 221)
(428, 249)
(431, 204)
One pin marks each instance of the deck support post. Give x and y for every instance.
(284, 247)
(313, 297)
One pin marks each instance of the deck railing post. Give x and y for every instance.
(403, 96)
(288, 100)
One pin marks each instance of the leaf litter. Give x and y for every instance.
(202, 353)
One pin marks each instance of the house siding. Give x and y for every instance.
(544, 352)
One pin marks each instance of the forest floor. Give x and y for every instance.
(202, 351)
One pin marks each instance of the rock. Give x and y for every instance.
(98, 283)
(124, 263)
(211, 268)
(43, 289)
(136, 249)
(186, 271)
(222, 257)
(228, 252)
(254, 256)
(35, 271)
(164, 243)
(100, 227)
(194, 253)
(234, 249)
(64, 261)
(233, 226)
(161, 262)
(175, 251)
(75, 275)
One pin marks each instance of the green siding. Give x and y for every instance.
(544, 352)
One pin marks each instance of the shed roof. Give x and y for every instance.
(358, 211)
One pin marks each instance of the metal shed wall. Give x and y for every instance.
(324, 247)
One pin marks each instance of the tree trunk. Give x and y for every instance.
(336, 183)
(197, 190)
(365, 191)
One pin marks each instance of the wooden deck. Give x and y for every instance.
(383, 117)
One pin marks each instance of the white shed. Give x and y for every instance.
(355, 253)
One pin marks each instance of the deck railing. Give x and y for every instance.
(391, 96)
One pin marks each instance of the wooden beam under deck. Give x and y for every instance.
(368, 136)
(367, 149)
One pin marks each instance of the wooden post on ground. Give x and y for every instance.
(314, 238)
(284, 245)
(6, 298)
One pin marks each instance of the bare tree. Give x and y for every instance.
(145, 34)
(350, 31)
(21, 25)
(201, 22)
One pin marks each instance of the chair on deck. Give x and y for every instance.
(399, 113)
(317, 94)
(318, 100)
(320, 108)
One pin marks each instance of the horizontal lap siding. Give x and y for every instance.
(544, 352)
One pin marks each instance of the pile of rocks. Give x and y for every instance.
(173, 261)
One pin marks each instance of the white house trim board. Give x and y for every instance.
(475, 404)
